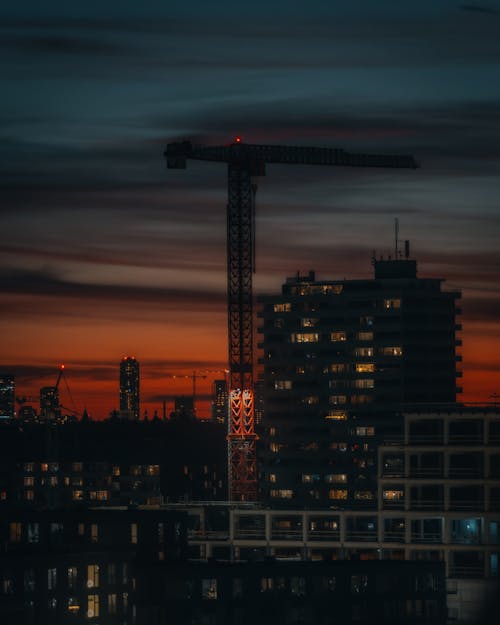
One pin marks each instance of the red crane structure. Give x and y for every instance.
(245, 161)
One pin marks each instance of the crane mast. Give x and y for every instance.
(245, 161)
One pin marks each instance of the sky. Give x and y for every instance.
(105, 253)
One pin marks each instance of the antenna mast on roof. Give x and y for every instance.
(396, 233)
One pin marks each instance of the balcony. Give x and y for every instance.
(473, 571)
(426, 537)
(427, 504)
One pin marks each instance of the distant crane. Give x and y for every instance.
(196, 375)
(245, 161)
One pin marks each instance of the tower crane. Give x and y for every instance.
(244, 162)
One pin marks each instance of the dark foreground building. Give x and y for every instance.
(291, 593)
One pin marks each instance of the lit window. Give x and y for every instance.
(94, 533)
(72, 577)
(337, 399)
(364, 383)
(311, 400)
(282, 385)
(281, 493)
(44, 467)
(77, 467)
(29, 495)
(93, 576)
(15, 532)
(361, 399)
(366, 321)
(92, 606)
(209, 588)
(309, 322)
(340, 335)
(153, 469)
(33, 532)
(53, 480)
(366, 352)
(51, 579)
(365, 367)
(133, 533)
(73, 605)
(392, 351)
(365, 336)
(77, 495)
(112, 604)
(307, 478)
(272, 431)
(392, 303)
(116, 471)
(337, 493)
(336, 477)
(285, 307)
(300, 369)
(336, 415)
(393, 495)
(365, 495)
(337, 367)
(272, 478)
(54, 467)
(29, 467)
(305, 337)
(365, 431)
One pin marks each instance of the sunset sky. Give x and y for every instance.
(105, 253)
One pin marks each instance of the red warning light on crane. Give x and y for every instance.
(237, 139)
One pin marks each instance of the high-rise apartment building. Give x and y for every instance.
(129, 388)
(340, 359)
(7, 396)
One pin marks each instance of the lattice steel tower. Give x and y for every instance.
(244, 162)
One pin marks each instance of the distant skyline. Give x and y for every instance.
(106, 253)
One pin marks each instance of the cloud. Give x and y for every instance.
(478, 8)
(47, 283)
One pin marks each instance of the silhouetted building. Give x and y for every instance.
(274, 592)
(7, 396)
(113, 462)
(129, 388)
(340, 359)
(68, 566)
(183, 408)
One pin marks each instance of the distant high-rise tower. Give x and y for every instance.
(220, 401)
(6, 396)
(49, 402)
(129, 387)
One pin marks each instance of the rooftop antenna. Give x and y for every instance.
(396, 233)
